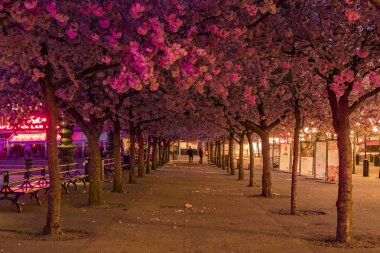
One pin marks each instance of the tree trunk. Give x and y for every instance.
(169, 148)
(117, 181)
(140, 141)
(344, 202)
(223, 160)
(216, 153)
(219, 153)
(231, 153)
(154, 154)
(94, 167)
(228, 162)
(251, 159)
(267, 178)
(164, 152)
(159, 153)
(132, 154)
(296, 138)
(211, 154)
(53, 220)
(241, 152)
(148, 155)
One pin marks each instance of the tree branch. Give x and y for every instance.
(363, 98)
(91, 70)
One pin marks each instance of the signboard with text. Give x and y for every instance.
(33, 123)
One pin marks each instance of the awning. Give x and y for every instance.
(370, 143)
(79, 137)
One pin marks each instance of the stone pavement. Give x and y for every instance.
(186, 207)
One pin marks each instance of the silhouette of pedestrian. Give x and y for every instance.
(200, 156)
(191, 155)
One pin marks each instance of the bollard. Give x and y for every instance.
(357, 159)
(365, 168)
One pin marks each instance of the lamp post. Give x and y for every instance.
(365, 162)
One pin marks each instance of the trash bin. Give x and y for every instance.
(365, 168)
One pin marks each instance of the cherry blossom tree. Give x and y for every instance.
(341, 44)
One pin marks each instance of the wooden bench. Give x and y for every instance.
(109, 167)
(21, 182)
(70, 174)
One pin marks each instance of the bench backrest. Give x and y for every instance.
(25, 177)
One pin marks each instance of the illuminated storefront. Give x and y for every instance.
(31, 136)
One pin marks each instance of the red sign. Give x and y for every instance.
(33, 123)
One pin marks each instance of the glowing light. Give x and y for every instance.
(33, 123)
(29, 137)
(36, 120)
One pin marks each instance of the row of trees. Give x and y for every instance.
(169, 70)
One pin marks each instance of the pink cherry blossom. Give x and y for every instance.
(362, 53)
(95, 37)
(251, 9)
(13, 80)
(116, 35)
(335, 87)
(71, 33)
(357, 85)
(37, 74)
(238, 68)
(252, 100)
(352, 14)
(154, 86)
(99, 12)
(143, 29)
(201, 52)
(136, 10)
(134, 47)
(30, 4)
(323, 68)
(375, 78)
(228, 64)
(348, 76)
(106, 59)
(104, 23)
(208, 77)
(285, 65)
(109, 6)
(174, 22)
(85, 11)
(234, 77)
(41, 61)
(338, 79)
(216, 71)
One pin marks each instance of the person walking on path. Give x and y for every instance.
(191, 155)
(200, 155)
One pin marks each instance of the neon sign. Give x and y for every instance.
(33, 123)
(30, 137)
